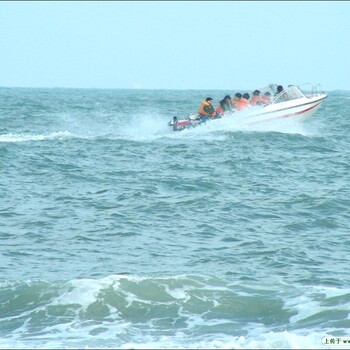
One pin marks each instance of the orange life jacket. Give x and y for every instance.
(265, 99)
(223, 108)
(256, 100)
(206, 109)
(219, 109)
(235, 102)
(243, 103)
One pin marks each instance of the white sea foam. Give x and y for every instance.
(331, 292)
(108, 338)
(266, 340)
(145, 127)
(32, 137)
(83, 292)
(306, 306)
(178, 293)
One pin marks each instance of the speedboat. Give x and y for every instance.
(289, 103)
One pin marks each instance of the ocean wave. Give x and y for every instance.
(196, 311)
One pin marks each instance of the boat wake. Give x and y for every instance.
(151, 127)
(60, 135)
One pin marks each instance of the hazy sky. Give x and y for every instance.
(174, 45)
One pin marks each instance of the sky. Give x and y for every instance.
(174, 44)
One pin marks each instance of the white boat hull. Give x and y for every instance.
(301, 111)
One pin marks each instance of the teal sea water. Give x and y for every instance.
(116, 232)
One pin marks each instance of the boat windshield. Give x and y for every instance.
(291, 93)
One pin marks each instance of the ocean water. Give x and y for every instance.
(116, 232)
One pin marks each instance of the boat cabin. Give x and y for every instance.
(292, 92)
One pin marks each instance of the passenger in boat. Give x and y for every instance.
(206, 110)
(244, 102)
(256, 99)
(224, 106)
(279, 90)
(236, 100)
(266, 98)
(281, 93)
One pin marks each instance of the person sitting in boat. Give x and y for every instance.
(266, 98)
(206, 110)
(244, 101)
(236, 100)
(224, 106)
(281, 93)
(256, 99)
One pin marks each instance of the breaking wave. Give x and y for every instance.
(163, 312)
